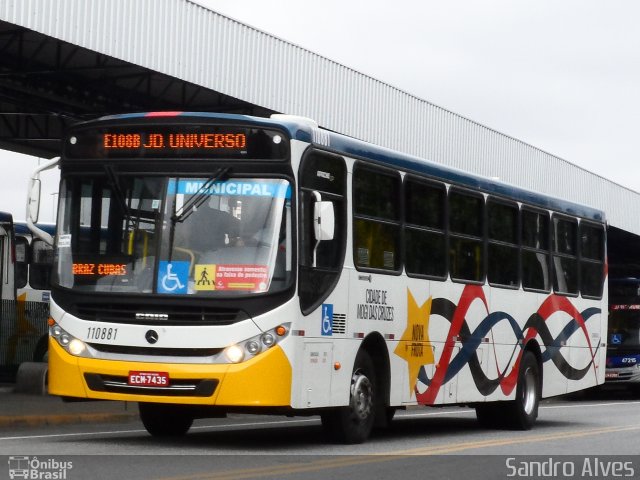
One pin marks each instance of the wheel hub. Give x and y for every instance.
(529, 391)
(361, 396)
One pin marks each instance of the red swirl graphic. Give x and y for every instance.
(552, 304)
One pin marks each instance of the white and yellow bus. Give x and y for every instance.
(25, 267)
(210, 263)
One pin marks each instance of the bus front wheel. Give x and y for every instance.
(41, 352)
(353, 424)
(163, 420)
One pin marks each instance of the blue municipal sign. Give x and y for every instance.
(235, 188)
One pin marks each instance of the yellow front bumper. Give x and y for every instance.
(263, 381)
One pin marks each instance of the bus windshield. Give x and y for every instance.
(624, 316)
(624, 329)
(174, 235)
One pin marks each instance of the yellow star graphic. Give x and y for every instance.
(414, 344)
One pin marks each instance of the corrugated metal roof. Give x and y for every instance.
(185, 40)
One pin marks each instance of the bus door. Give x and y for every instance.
(7, 288)
(6, 266)
(5, 258)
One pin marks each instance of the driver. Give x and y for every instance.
(215, 226)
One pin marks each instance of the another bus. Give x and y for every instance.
(211, 263)
(623, 350)
(25, 266)
(34, 258)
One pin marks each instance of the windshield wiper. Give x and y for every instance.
(194, 202)
(198, 198)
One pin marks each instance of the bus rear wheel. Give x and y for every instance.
(522, 412)
(164, 420)
(353, 424)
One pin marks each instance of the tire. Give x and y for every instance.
(353, 424)
(384, 416)
(389, 413)
(520, 413)
(523, 411)
(162, 420)
(41, 352)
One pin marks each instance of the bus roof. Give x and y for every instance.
(21, 228)
(6, 217)
(306, 130)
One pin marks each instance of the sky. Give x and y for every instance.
(561, 75)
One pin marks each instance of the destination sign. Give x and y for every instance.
(177, 141)
(99, 269)
(128, 141)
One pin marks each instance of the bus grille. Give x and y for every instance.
(622, 377)
(164, 314)
(155, 351)
(178, 387)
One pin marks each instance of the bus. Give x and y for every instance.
(34, 258)
(25, 266)
(623, 348)
(212, 263)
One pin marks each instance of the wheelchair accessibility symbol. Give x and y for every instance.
(615, 339)
(173, 277)
(327, 319)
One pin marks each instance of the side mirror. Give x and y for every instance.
(323, 220)
(33, 202)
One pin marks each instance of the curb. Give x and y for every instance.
(64, 419)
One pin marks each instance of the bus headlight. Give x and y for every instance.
(268, 340)
(74, 346)
(253, 346)
(234, 353)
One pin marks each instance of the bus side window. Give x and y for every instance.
(41, 262)
(591, 259)
(503, 249)
(425, 236)
(376, 219)
(535, 250)
(466, 236)
(22, 262)
(565, 255)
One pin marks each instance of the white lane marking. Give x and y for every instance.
(60, 435)
(580, 405)
(106, 432)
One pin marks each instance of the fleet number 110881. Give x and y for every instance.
(102, 333)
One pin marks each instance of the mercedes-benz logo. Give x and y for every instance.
(151, 336)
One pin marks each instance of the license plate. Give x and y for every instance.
(149, 379)
(611, 375)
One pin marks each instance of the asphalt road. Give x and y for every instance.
(576, 438)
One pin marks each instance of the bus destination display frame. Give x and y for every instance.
(176, 140)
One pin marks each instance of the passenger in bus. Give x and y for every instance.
(211, 227)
